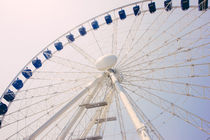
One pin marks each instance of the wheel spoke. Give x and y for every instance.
(147, 70)
(175, 110)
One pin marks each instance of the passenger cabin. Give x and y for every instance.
(3, 108)
(17, 84)
(58, 46)
(122, 14)
(37, 63)
(108, 19)
(82, 31)
(152, 7)
(27, 73)
(70, 37)
(168, 5)
(185, 4)
(95, 25)
(202, 5)
(9, 96)
(47, 54)
(136, 10)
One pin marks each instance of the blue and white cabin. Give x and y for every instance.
(185, 4)
(17, 84)
(27, 73)
(47, 54)
(95, 25)
(58, 46)
(136, 10)
(122, 14)
(3, 108)
(202, 5)
(70, 37)
(168, 5)
(82, 31)
(9, 96)
(37, 63)
(152, 7)
(108, 19)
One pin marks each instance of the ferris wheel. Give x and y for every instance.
(139, 71)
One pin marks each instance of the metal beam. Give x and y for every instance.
(64, 109)
(105, 112)
(97, 114)
(140, 127)
(146, 120)
(93, 105)
(71, 122)
(120, 117)
(105, 120)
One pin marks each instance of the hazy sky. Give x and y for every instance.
(27, 26)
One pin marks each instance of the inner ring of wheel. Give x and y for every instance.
(51, 44)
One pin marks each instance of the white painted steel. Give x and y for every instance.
(140, 127)
(105, 112)
(125, 70)
(71, 122)
(106, 62)
(64, 109)
(99, 113)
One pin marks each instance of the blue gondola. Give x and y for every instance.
(58, 46)
(152, 7)
(108, 19)
(122, 14)
(47, 54)
(3, 108)
(136, 10)
(202, 4)
(82, 31)
(95, 25)
(168, 5)
(17, 84)
(37, 63)
(9, 96)
(185, 4)
(70, 37)
(27, 73)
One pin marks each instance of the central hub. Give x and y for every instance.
(106, 62)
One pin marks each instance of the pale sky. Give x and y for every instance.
(27, 26)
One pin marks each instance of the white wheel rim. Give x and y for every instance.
(157, 58)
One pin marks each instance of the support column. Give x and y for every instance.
(71, 122)
(140, 127)
(97, 114)
(64, 109)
